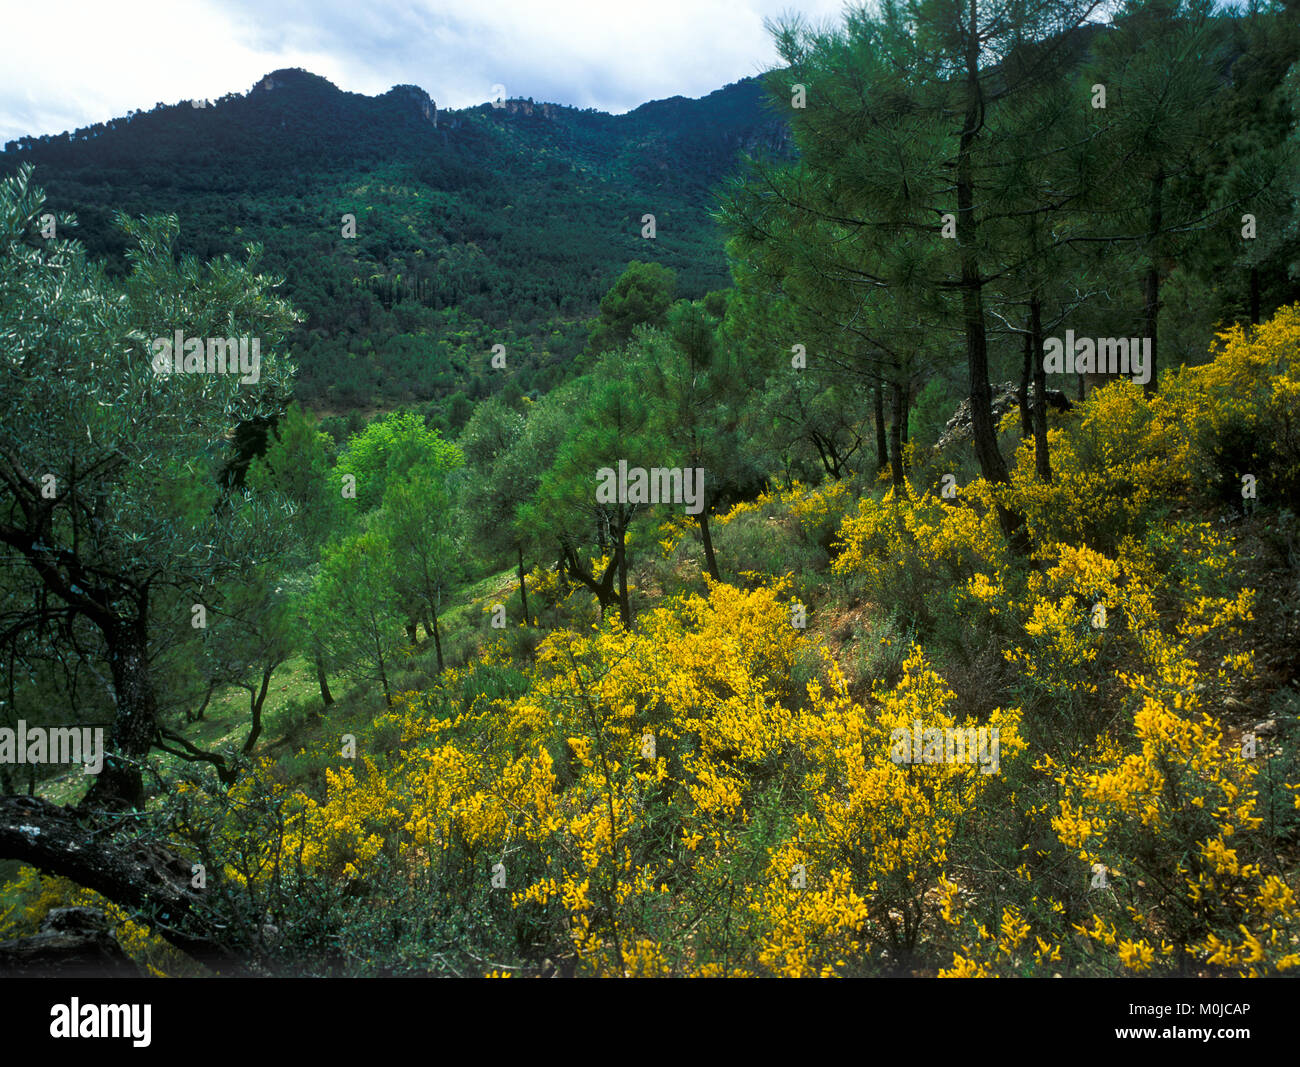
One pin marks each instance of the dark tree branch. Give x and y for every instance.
(139, 874)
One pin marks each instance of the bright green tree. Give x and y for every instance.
(354, 607)
(393, 444)
(296, 472)
(419, 522)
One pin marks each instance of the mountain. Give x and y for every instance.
(497, 224)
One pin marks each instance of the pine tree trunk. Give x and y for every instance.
(327, 698)
(984, 432)
(1026, 371)
(882, 442)
(523, 588)
(1151, 301)
(602, 588)
(709, 559)
(624, 604)
(1042, 461)
(896, 442)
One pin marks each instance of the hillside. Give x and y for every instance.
(477, 227)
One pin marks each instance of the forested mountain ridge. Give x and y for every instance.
(504, 223)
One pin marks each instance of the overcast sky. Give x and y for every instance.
(71, 63)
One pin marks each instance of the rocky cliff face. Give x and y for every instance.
(527, 107)
(418, 99)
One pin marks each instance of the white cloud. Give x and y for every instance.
(80, 62)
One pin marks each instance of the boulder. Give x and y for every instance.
(1005, 398)
(72, 943)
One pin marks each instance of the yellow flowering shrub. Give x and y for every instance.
(874, 842)
(1240, 408)
(1121, 460)
(1140, 848)
(1175, 823)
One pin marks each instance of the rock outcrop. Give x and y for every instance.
(72, 943)
(528, 108)
(419, 99)
(1005, 398)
